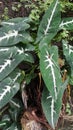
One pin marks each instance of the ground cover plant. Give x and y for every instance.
(27, 54)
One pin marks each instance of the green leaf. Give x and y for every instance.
(12, 32)
(7, 91)
(50, 22)
(13, 127)
(20, 24)
(5, 121)
(2, 124)
(51, 107)
(28, 77)
(67, 23)
(16, 106)
(9, 87)
(29, 47)
(50, 69)
(10, 59)
(68, 52)
(11, 37)
(20, 19)
(15, 103)
(71, 78)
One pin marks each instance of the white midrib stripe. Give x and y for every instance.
(8, 35)
(66, 23)
(53, 74)
(4, 49)
(49, 20)
(7, 89)
(16, 77)
(6, 63)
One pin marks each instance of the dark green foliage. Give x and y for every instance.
(23, 57)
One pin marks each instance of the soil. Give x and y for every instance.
(18, 12)
(66, 122)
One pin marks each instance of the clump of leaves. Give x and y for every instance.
(17, 46)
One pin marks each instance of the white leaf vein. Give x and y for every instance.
(51, 65)
(5, 91)
(51, 17)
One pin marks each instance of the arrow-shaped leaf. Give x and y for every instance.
(10, 59)
(68, 52)
(13, 32)
(50, 22)
(7, 91)
(20, 24)
(67, 23)
(11, 37)
(51, 107)
(9, 87)
(50, 69)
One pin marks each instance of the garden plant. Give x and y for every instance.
(20, 46)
